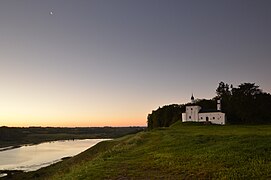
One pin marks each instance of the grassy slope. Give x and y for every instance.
(181, 151)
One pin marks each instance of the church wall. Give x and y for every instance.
(214, 117)
(192, 113)
(184, 117)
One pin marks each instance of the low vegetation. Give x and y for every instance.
(182, 151)
(13, 136)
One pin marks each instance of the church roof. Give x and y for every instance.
(208, 110)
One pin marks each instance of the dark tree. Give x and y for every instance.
(223, 90)
(165, 116)
(206, 103)
(244, 104)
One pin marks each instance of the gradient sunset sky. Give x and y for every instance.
(111, 62)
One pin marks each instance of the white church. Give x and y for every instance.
(195, 113)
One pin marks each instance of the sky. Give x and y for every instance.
(79, 63)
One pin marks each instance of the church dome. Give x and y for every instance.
(192, 98)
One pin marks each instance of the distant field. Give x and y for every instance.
(12, 136)
(182, 151)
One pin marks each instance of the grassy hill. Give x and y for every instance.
(190, 151)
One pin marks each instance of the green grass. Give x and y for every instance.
(183, 151)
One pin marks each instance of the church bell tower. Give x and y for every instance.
(218, 105)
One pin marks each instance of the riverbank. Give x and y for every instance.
(183, 151)
(34, 157)
(12, 137)
(9, 148)
(10, 173)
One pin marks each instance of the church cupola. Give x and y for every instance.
(192, 99)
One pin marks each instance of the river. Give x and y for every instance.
(33, 157)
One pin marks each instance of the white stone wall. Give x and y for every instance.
(192, 113)
(184, 117)
(213, 117)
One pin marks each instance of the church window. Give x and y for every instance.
(213, 117)
(191, 108)
(189, 117)
(201, 118)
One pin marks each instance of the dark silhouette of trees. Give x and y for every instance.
(165, 116)
(245, 104)
(223, 90)
(206, 103)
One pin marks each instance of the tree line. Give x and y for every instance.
(244, 104)
(165, 116)
(10, 136)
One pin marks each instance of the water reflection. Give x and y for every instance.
(3, 175)
(30, 158)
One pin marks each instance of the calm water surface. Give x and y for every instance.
(33, 157)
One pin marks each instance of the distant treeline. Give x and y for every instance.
(10, 136)
(244, 104)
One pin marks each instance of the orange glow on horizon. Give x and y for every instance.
(13, 121)
(64, 110)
